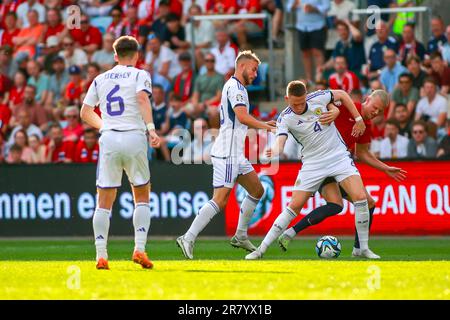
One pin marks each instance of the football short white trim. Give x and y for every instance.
(226, 171)
(309, 179)
(122, 151)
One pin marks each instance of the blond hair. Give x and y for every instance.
(382, 95)
(246, 55)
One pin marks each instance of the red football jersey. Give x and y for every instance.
(62, 152)
(91, 36)
(85, 155)
(345, 122)
(348, 82)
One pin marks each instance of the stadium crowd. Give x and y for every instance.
(47, 65)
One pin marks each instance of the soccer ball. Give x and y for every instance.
(328, 247)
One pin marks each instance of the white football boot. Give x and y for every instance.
(187, 247)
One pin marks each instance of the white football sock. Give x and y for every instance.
(290, 232)
(141, 223)
(204, 216)
(100, 223)
(247, 207)
(279, 225)
(362, 218)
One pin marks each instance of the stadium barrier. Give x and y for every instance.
(59, 200)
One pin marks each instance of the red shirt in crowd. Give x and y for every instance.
(221, 6)
(442, 79)
(244, 6)
(53, 31)
(5, 8)
(5, 115)
(6, 37)
(74, 91)
(345, 122)
(91, 36)
(62, 152)
(16, 95)
(77, 131)
(85, 155)
(348, 82)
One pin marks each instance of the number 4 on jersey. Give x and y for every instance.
(317, 127)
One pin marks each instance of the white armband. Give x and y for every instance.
(358, 118)
(150, 126)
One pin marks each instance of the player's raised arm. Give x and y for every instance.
(359, 127)
(278, 147)
(87, 112)
(245, 118)
(146, 112)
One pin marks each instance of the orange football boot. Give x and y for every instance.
(102, 264)
(142, 259)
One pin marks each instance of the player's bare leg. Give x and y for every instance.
(354, 187)
(141, 224)
(204, 216)
(298, 200)
(255, 191)
(100, 223)
(331, 193)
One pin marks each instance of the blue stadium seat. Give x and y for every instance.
(102, 23)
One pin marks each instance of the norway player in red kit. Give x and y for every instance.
(330, 191)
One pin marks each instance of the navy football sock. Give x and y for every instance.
(318, 215)
(356, 244)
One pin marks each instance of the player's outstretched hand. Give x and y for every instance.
(398, 174)
(155, 141)
(358, 128)
(273, 125)
(329, 116)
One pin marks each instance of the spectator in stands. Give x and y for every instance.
(15, 95)
(53, 49)
(343, 79)
(98, 7)
(438, 38)
(378, 49)
(161, 59)
(15, 155)
(73, 131)
(116, 26)
(160, 108)
(208, 90)
(37, 154)
(183, 84)
(24, 122)
(10, 30)
(39, 80)
(87, 149)
(131, 24)
(440, 72)
(147, 10)
(421, 145)
(221, 7)
(311, 25)
(8, 67)
(224, 53)
(418, 75)
(187, 4)
(73, 55)
(27, 39)
(203, 34)
(87, 37)
(391, 71)
(394, 145)
(74, 88)
(5, 117)
(341, 10)
(53, 28)
(404, 94)
(198, 151)
(25, 8)
(58, 82)
(446, 46)
(410, 45)
(174, 36)
(432, 107)
(5, 86)
(159, 26)
(244, 26)
(21, 140)
(403, 118)
(36, 111)
(443, 151)
(350, 45)
(105, 57)
(57, 149)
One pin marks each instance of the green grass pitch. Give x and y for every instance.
(411, 268)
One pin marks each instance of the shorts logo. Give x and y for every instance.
(264, 207)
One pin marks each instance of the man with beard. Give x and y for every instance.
(37, 112)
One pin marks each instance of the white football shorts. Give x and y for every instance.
(227, 170)
(122, 150)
